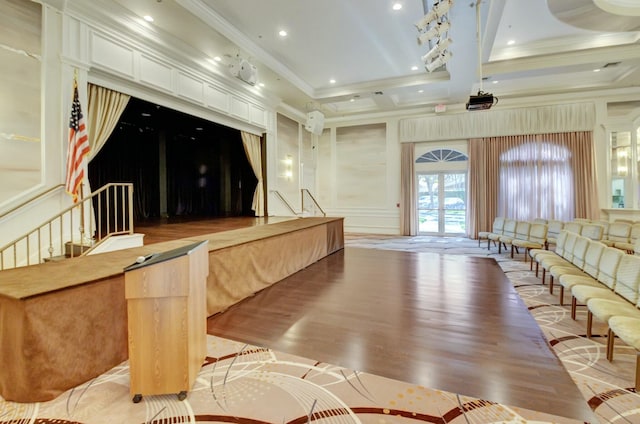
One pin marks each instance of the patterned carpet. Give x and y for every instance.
(248, 384)
(606, 386)
(251, 385)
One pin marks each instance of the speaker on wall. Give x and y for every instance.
(315, 122)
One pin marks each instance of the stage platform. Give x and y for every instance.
(63, 323)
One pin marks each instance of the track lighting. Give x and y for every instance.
(435, 31)
(438, 10)
(440, 61)
(439, 48)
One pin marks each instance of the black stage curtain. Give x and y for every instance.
(204, 165)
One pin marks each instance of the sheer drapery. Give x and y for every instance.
(528, 176)
(251, 143)
(407, 190)
(104, 111)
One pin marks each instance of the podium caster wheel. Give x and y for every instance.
(182, 395)
(137, 398)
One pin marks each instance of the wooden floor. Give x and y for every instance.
(453, 323)
(157, 231)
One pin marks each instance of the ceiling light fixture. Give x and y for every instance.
(282, 33)
(438, 11)
(435, 31)
(438, 62)
(332, 81)
(148, 18)
(438, 49)
(397, 6)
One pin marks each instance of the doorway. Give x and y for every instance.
(442, 203)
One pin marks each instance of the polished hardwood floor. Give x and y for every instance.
(166, 229)
(447, 322)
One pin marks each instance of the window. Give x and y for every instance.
(536, 180)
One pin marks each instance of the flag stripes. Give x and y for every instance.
(78, 147)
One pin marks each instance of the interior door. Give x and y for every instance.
(442, 203)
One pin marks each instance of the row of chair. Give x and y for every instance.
(603, 278)
(621, 235)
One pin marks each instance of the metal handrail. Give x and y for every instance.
(315, 202)
(282, 198)
(49, 237)
(33, 199)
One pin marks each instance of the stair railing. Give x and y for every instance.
(76, 230)
(286, 203)
(310, 206)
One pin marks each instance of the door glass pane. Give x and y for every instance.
(428, 201)
(455, 204)
(442, 203)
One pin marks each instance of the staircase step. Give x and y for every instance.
(55, 258)
(77, 249)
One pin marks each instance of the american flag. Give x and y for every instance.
(78, 147)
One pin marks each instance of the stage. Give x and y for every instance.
(63, 323)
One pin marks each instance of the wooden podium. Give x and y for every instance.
(167, 320)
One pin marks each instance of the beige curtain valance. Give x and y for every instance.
(494, 123)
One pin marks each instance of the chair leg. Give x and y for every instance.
(637, 372)
(589, 323)
(551, 284)
(544, 274)
(537, 266)
(574, 305)
(561, 295)
(610, 345)
(512, 251)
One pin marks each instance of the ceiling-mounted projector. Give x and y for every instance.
(481, 101)
(244, 70)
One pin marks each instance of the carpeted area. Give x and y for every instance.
(606, 386)
(248, 384)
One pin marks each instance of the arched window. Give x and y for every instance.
(536, 180)
(442, 155)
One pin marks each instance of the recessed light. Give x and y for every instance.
(511, 42)
(145, 114)
(261, 84)
(282, 33)
(397, 6)
(199, 128)
(414, 68)
(332, 81)
(494, 82)
(596, 70)
(352, 100)
(217, 58)
(421, 91)
(148, 18)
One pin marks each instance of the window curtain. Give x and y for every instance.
(407, 190)
(104, 111)
(523, 177)
(483, 192)
(251, 143)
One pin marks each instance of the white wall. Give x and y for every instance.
(353, 168)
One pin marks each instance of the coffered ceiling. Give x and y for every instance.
(528, 48)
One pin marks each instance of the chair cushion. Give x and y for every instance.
(568, 280)
(585, 293)
(603, 309)
(628, 329)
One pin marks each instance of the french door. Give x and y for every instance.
(442, 203)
